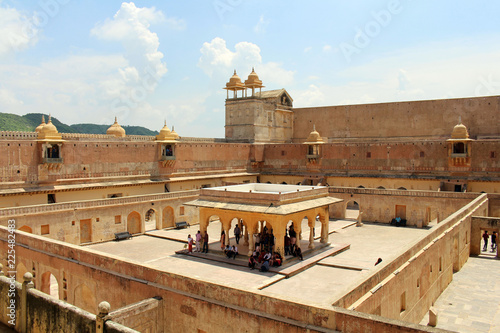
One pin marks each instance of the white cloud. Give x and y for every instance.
(260, 27)
(307, 49)
(327, 48)
(130, 26)
(450, 70)
(217, 60)
(17, 31)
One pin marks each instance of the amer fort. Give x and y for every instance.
(389, 203)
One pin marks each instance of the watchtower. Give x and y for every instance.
(264, 116)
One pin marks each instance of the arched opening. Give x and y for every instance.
(284, 183)
(380, 188)
(352, 210)
(402, 188)
(459, 148)
(134, 223)
(84, 298)
(25, 228)
(268, 182)
(361, 186)
(20, 271)
(50, 286)
(168, 217)
(150, 220)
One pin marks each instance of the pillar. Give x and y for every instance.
(101, 318)
(27, 284)
(324, 231)
(279, 246)
(245, 237)
(311, 224)
(227, 228)
(251, 226)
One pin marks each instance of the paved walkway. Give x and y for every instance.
(471, 303)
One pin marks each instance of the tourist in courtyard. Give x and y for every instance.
(287, 245)
(198, 241)
(485, 239)
(205, 243)
(277, 260)
(227, 250)
(237, 233)
(293, 240)
(190, 244)
(234, 251)
(493, 241)
(265, 266)
(298, 253)
(222, 240)
(252, 262)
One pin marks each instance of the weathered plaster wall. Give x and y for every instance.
(432, 118)
(66, 221)
(417, 207)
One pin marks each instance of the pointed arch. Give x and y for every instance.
(134, 223)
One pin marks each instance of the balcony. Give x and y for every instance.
(53, 160)
(167, 158)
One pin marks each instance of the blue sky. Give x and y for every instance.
(150, 61)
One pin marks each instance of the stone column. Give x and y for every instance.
(227, 228)
(311, 225)
(324, 231)
(279, 246)
(101, 318)
(245, 242)
(250, 227)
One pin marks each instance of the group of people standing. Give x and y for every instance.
(264, 253)
(486, 237)
(201, 242)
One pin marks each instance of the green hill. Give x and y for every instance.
(28, 123)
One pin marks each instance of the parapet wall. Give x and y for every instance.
(406, 287)
(47, 314)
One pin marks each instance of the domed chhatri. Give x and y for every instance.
(314, 137)
(166, 134)
(234, 85)
(48, 132)
(460, 132)
(39, 128)
(49, 128)
(116, 130)
(253, 82)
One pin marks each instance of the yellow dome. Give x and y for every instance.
(165, 130)
(174, 134)
(460, 132)
(314, 137)
(234, 81)
(167, 134)
(116, 130)
(253, 80)
(49, 128)
(40, 127)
